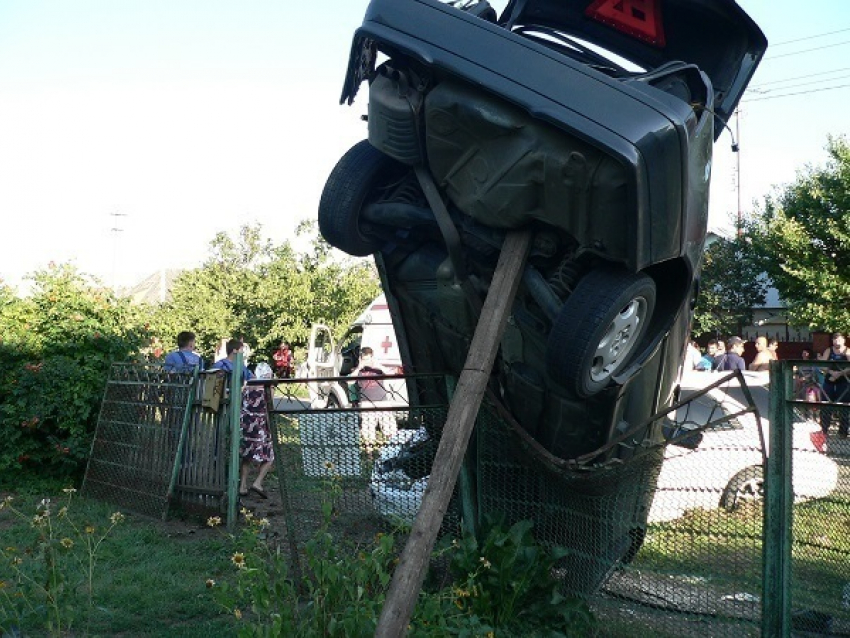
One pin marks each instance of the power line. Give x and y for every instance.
(808, 37)
(774, 97)
(799, 77)
(785, 55)
(798, 84)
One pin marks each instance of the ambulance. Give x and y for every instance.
(327, 358)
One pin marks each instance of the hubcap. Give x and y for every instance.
(619, 339)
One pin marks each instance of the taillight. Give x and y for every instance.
(640, 19)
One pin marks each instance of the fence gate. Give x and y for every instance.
(155, 445)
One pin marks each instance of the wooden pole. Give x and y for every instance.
(410, 572)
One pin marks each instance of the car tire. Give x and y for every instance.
(356, 179)
(745, 487)
(598, 329)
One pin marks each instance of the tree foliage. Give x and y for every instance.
(56, 349)
(731, 283)
(251, 288)
(802, 241)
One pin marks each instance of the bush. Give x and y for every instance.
(55, 355)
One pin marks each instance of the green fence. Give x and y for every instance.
(699, 532)
(155, 446)
(807, 524)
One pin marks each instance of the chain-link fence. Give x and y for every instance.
(696, 532)
(808, 500)
(669, 541)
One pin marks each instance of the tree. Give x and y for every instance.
(802, 241)
(249, 287)
(56, 350)
(731, 283)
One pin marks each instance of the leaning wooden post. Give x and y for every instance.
(410, 572)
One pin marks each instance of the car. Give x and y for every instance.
(720, 466)
(587, 124)
(724, 467)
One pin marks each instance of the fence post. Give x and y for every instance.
(468, 508)
(235, 412)
(779, 500)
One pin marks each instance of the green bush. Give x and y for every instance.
(55, 354)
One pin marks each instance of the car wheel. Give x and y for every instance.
(598, 329)
(357, 178)
(745, 487)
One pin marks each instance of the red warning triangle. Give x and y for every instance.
(640, 19)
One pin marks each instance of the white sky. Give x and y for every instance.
(194, 117)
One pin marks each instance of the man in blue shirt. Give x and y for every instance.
(184, 359)
(733, 359)
(233, 347)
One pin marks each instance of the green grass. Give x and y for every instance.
(149, 581)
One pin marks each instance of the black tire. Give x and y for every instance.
(599, 328)
(746, 486)
(357, 178)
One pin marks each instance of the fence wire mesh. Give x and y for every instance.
(664, 525)
(820, 462)
(136, 459)
(668, 541)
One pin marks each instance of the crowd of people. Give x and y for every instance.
(813, 384)
(255, 446)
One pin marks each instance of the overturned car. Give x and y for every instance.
(590, 122)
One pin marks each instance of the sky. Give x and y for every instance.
(133, 131)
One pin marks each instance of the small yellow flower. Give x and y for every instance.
(264, 523)
(17, 561)
(11, 548)
(210, 583)
(238, 614)
(62, 512)
(69, 490)
(38, 520)
(2, 584)
(238, 559)
(116, 518)
(329, 465)
(484, 562)
(214, 521)
(67, 543)
(89, 529)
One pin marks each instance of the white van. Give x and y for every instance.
(326, 358)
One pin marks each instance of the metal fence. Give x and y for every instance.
(807, 515)
(686, 562)
(155, 446)
(700, 532)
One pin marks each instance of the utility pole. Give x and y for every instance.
(115, 230)
(740, 228)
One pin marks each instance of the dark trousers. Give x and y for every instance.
(839, 392)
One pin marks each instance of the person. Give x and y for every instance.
(732, 358)
(255, 445)
(283, 361)
(836, 385)
(693, 356)
(707, 361)
(372, 391)
(773, 348)
(221, 351)
(719, 354)
(184, 359)
(761, 362)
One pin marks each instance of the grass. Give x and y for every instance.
(148, 581)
